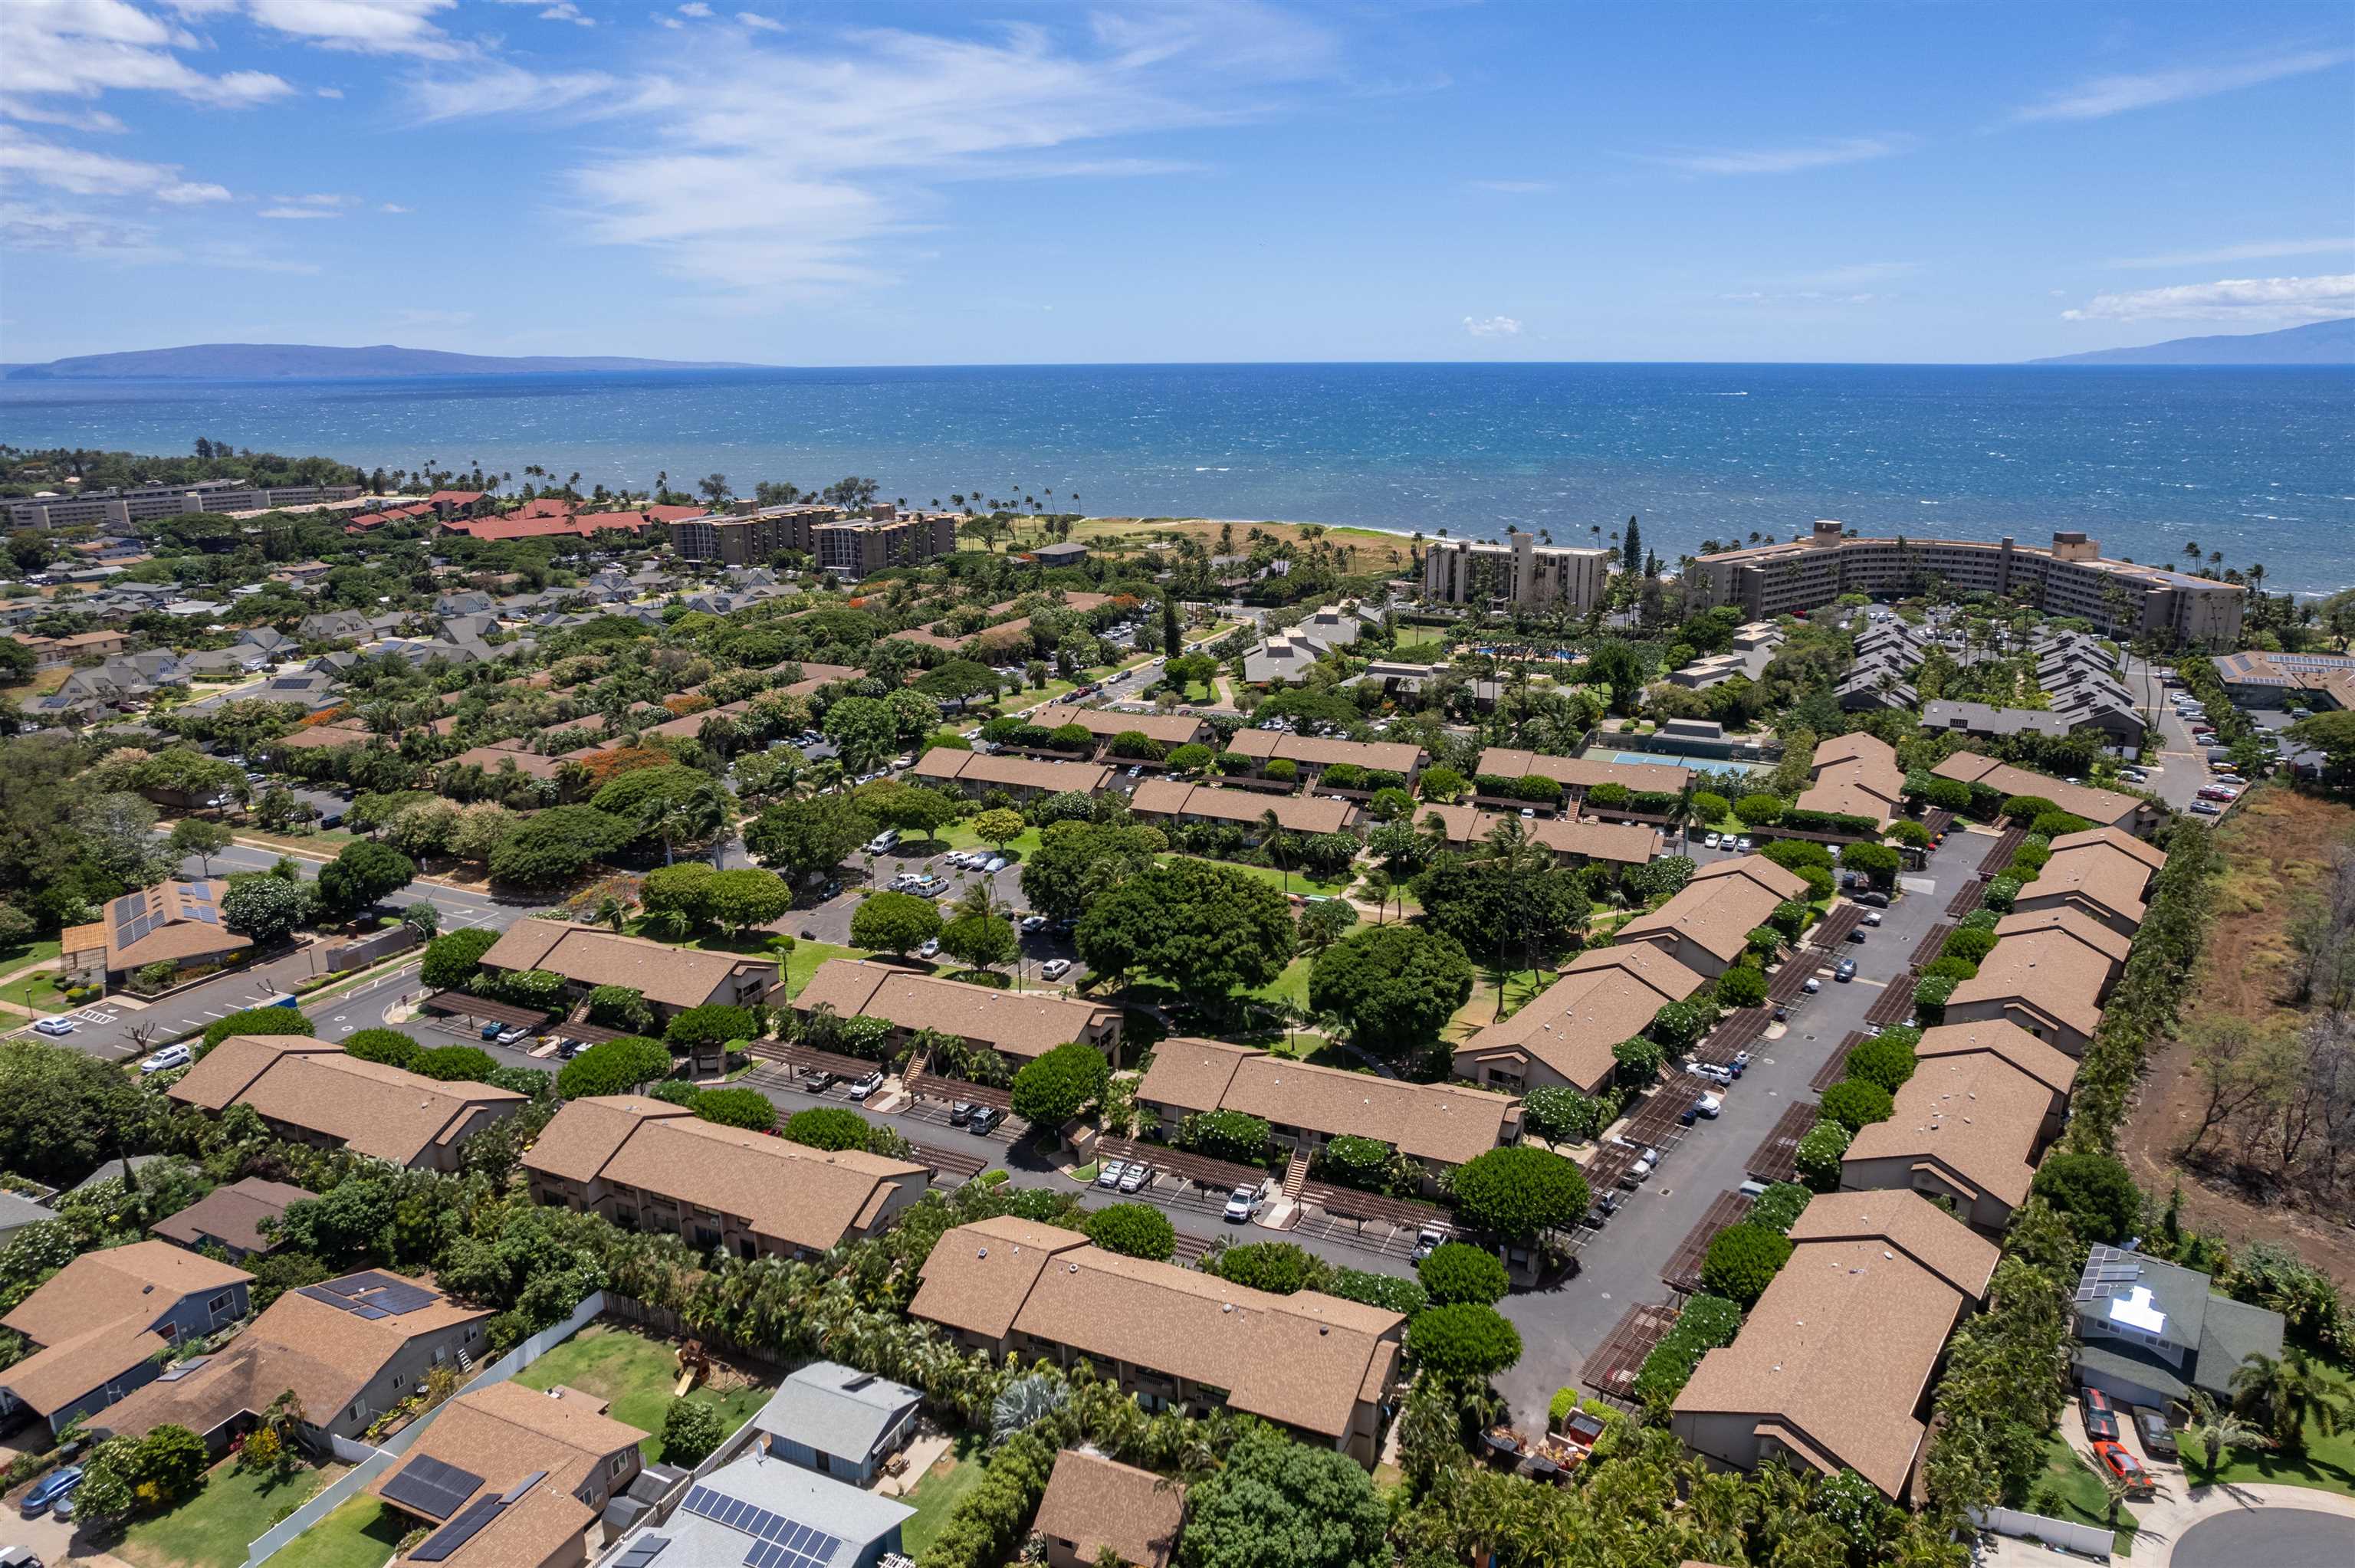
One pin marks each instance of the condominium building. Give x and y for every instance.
(1519, 572)
(849, 545)
(141, 503)
(2072, 577)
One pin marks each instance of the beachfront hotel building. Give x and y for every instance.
(848, 545)
(2072, 577)
(139, 502)
(1520, 572)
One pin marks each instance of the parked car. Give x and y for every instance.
(1242, 1205)
(960, 1113)
(1872, 916)
(1109, 1173)
(866, 1085)
(931, 949)
(1782, 1013)
(817, 1080)
(1742, 844)
(169, 1057)
(49, 1488)
(1055, 968)
(1709, 1106)
(1426, 1241)
(1606, 1205)
(1714, 841)
(1033, 922)
(2158, 1441)
(1812, 985)
(1846, 971)
(2125, 1467)
(1709, 1070)
(984, 1118)
(55, 1026)
(2207, 809)
(2101, 1415)
(491, 1031)
(1741, 1063)
(568, 1049)
(1873, 900)
(992, 865)
(512, 1035)
(1134, 1179)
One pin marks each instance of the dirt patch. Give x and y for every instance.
(2275, 848)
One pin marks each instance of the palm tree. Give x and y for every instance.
(2213, 1428)
(1379, 882)
(2288, 1391)
(1271, 837)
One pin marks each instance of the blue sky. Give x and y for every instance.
(799, 182)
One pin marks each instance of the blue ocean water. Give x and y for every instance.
(2259, 464)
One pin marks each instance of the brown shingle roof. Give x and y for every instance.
(801, 1196)
(2098, 873)
(1170, 729)
(1319, 751)
(1013, 772)
(1095, 1502)
(503, 1431)
(2056, 1070)
(1605, 995)
(1856, 774)
(1627, 843)
(2051, 972)
(1580, 773)
(1428, 1121)
(492, 759)
(172, 921)
(1019, 1023)
(1841, 1347)
(2074, 923)
(1718, 908)
(1294, 813)
(669, 976)
(368, 1106)
(327, 1355)
(232, 1215)
(2099, 807)
(93, 1318)
(1303, 1360)
(2143, 850)
(1973, 1115)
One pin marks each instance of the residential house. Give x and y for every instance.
(309, 1091)
(333, 626)
(1706, 925)
(975, 774)
(512, 1475)
(2151, 1333)
(1967, 1127)
(1574, 841)
(349, 1350)
(2049, 980)
(1094, 1507)
(1175, 800)
(1578, 775)
(741, 1511)
(1316, 1365)
(2018, 1050)
(175, 923)
(1170, 730)
(1563, 1036)
(231, 1218)
(2103, 808)
(97, 1329)
(838, 1420)
(2104, 873)
(1857, 776)
(1438, 1126)
(19, 1211)
(650, 1165)
(1018, 1025)
(1313, 755)
(1833, 1367)
(673, 980)
(1069, 552)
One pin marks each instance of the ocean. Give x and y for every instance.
(2259, 464)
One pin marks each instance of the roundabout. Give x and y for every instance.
(2280, 1537)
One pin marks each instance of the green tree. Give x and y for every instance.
(1396, 985)
(1276, 1503)
(747, 1108)
(998, 826)
(1518, 1192)
(980, 941)
(390, 1046)
(706, 1028)
(256, 1020)
(1855, 1104)
(451, 962)
(1053, 1088)
(1135, 1230)
(1206, 927)
(1458, 1271)
(1741, 987)
(1469, 1340)
(828, 1126)
(1743, 1260)
(362, 873)
(61, 1112)
(1878, 862)
(556, 844)
(745, 898)
(1280, 1268)
(806, 837)
(864, 732)
(1887, 1059)
(896, 923)
(2289, 1393)
(691, 1429)
(613, 1067)
(2093, 1191)
(267, 908)
(1817, 1157)
(199, 837)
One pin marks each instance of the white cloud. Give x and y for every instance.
(1492, 326)
(695, 8)
(1513, 187)
(190, 193)
(77, 171)
(673, 23)
(79, 48)
(1789, 160)
(565, 11)
(96, 120)
(2105, 96)
(393, 206)
(753, 19)
(2252, 252)
(315, 199)
(2285, 300)
(331, 92)
(362, 26)
(761, 170)
(298, 212)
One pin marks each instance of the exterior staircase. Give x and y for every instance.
(1295, 1176)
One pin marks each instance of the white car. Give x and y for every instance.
(169, 1057)
(992, 865)
(1708, 1106)
(1055, 968)
(1872, 916)
(931, 949)
(1743, 845)
(1242, 1205)
(1812, 986)
(55, 1026)
(1715, 840)
(866, 1085)
(1110, 1172)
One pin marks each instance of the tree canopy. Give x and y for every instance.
(1397, 984)
(1207, 928)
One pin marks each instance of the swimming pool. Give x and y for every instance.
(1660, 759)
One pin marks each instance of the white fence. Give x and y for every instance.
(369, 1463)
(2092, 1540)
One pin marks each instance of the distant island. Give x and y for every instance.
(311, 362)
(2323, 343)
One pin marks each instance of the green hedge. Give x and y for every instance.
(1707, 1323)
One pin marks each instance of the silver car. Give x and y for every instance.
(1109, 1175)
(1135, 1178)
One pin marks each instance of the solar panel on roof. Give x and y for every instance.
(428, 1486)
(351, 1285)
(360, 1309)
(459, 1530)
(128, 905)
(399, 1296)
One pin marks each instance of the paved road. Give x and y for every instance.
(1621, 1265)
(459, 905)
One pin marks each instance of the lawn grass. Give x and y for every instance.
(2326, 1464)
(213, 1528)
(961, 836)
(1297, 881)
(39, 951)
(360, 1533)
(803, 960)
(2084, 1500)
(1417, 639)
(636, 1374)
(1290, 986)
(953, 1475)
(1479, 1009)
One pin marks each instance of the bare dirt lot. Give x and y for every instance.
(2275, 847)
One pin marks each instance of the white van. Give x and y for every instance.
(884, 841)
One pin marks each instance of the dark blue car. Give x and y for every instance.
(49, 1488)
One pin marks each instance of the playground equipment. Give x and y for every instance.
(694, 1366)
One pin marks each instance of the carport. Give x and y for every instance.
(482, 1009)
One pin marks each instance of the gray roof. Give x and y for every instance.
(17, 1211)
(114, 1167)
(836, 1409)
(2231, 1333)
(854, 1517)
(1979, 718)
(2209, 1334)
